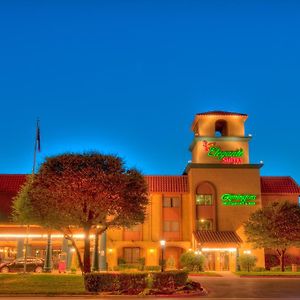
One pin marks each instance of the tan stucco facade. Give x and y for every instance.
(220, 165)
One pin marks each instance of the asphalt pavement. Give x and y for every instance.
(250, 288)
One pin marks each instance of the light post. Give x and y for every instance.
(162, 244)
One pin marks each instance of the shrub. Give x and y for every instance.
(132, 267)
(100, 282)
(121, 261)
(170, 263)
(192, 261)
(247, 262)
(152, 268)
(258, 269)
(278, 269)
(169, 279)
(132, 283)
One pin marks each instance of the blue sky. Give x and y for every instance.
(127, 77)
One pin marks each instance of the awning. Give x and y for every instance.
(217, 237)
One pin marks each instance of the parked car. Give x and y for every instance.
(33, 264)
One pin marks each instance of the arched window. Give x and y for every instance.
(205, 200)
(205, 194)
(221, 128)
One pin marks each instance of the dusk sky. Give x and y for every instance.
(128, 77)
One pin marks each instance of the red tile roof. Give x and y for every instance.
(11, 182)
(279, 185)
(173, 184)
(216, 237)
(167, 184)
(221, 113)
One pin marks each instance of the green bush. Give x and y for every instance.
(152, 268)
(169, 279)
(278, 269)
(124, 267)
(258, 269)
(192, 262)
(121, 261)
(100, 282)
(131, 283)
(247, 262)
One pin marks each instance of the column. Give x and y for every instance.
(20, 248)
(48, 258)
(103, 264)
(95, 264)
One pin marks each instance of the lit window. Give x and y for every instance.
(131, 255)
(171, 202)
(204, 224)
(203, 199)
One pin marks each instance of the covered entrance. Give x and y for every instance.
(219, 249)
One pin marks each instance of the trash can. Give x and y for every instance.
(294, 268)
(62, 267)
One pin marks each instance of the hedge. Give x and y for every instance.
(131, 283)
(169, 279)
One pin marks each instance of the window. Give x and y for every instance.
(131, 255)
(204, 224)
(171, 202)
(171, 226)
(221, 128)
(203, 199)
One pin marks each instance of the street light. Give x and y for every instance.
(162, 244)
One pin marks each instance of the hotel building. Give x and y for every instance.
(203, 209)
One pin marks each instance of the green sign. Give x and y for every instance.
(226, 157)
(238, 199)
(219, 154)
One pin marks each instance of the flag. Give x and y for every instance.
(38, 136)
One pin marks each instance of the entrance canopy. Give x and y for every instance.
(220, 239)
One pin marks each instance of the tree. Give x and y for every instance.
(90, 191)
(247, 262)
(276, 227)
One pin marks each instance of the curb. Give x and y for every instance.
(269, 276)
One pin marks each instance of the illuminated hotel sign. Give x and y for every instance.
(226, 157)
(238, 199)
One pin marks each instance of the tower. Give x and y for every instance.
(224, 185)
(219, 138)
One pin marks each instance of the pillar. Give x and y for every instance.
(95, 264)
(103, 264)
(48, 258)
(20, 248)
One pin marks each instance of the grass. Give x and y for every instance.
(41, 284)
(268, 273)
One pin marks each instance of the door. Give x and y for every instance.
(224, 261)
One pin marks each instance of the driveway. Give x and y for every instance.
(235, 287)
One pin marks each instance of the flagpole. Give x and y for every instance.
(35, 145)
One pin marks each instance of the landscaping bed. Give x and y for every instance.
(138, 283)
(156, 283)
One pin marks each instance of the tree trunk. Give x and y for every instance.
(68, 237)
(87, 254)
(281, 259)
